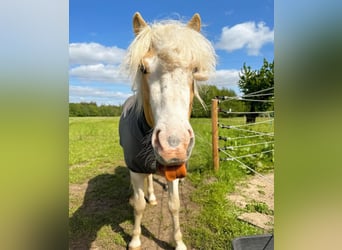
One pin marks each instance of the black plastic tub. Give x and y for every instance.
(255, 242)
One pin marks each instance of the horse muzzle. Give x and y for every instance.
(172, 151)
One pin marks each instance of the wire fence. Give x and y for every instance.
(235, 138)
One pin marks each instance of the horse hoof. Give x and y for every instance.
(181, 246)
(153, 202)
(134, 248)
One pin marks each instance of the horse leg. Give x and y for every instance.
(139, 205)
(174, 206)
(150, 191)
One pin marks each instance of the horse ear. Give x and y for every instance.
(138, 23)
(195, 22)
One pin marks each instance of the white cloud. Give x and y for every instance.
(249, 35)
(100, 96)
(227, 78)
(94, 64)
(92, 53)
(98, 73)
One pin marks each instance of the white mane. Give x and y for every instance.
(177, 45)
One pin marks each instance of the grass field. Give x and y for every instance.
(95, 154)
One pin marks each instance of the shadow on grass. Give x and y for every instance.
(106, 202)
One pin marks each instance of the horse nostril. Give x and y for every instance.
(156, 141)
(173, 141)
(191, 134)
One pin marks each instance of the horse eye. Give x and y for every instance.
(142, 69)
(194, 70)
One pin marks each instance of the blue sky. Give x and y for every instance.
(241, 31)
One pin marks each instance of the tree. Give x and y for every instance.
(209, 92)
(91, 109)
(260, 82)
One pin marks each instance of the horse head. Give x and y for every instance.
(172, 57)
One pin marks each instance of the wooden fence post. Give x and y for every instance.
(214, 134)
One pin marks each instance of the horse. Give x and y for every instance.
(165, 61)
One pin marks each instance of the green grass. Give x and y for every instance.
(260, 162)
(217, 224)
(93, 147)
(259, 207)
(95, 154)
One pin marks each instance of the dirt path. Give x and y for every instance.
(256, 190)
(156, 223)
(157, 219)
(103, 219)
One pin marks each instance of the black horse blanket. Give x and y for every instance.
(135, 139)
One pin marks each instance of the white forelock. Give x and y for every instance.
(176, 45)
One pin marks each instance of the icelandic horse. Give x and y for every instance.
(165, 61)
